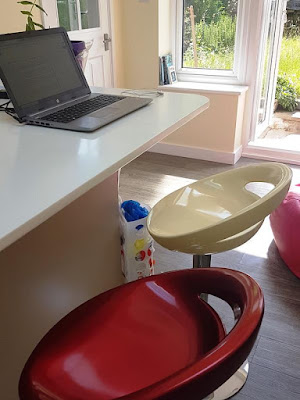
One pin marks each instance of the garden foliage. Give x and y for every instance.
(215, 27)
(286, 93)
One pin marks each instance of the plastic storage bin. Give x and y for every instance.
(136, 248)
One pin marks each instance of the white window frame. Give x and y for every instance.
(235, 76)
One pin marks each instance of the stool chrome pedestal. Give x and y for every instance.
(201, 261)
(232, 386)
(237, 380)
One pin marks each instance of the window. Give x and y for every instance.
(209, 30)
(211, 40)
(78, 14)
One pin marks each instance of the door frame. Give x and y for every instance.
(274, 64)
(252, 149)
(50, 20)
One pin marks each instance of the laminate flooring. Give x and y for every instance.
(275, 359)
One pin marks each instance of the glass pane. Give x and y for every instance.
(90, 17)
(267, 62)
(68, 15)
(209, 31)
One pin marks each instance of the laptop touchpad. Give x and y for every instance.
(106, 112)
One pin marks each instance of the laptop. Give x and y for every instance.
(47, 87)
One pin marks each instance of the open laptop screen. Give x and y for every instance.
(39, 67)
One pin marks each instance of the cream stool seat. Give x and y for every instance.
(231, 242)
(220, 212)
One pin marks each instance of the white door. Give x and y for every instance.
(87, 20)
(274, 19)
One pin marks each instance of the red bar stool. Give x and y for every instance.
(150, 339)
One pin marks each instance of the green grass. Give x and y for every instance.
(209, 60)
(289, 63)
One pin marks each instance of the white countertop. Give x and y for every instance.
(42, 170)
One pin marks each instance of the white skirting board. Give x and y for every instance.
(271, 154)
(197, 153)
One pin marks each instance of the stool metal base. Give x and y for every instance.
(202, 261)
(233, 385)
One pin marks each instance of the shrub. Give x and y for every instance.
(205, 10)
(217, 37)
(289, 64)
(286, 93)
(292, 25)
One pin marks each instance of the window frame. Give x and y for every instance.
(235, 76)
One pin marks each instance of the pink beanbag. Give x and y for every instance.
(285, 224)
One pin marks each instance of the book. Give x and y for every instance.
(165, 62)
(161, 71)
(165, 69)
(169, 60)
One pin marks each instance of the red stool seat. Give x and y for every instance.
(153, 338)
(285, 224)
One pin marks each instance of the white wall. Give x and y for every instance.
(219, 128)
(136, 43)
(11, 19)
(164, 26)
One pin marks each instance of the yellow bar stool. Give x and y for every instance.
(216, 214)
(220, 212)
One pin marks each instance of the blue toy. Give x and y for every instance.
(132, 210)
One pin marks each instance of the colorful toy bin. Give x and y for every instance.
(136, 243)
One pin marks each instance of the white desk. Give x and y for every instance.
(59, 240)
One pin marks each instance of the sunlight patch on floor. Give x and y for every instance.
(155, 187)
(170, 183)
(259, 244)
(290, 142)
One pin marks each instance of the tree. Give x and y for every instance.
(206, 10)
(230, 7)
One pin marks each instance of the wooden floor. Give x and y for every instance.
(275, 359)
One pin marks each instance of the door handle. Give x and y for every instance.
(106, 41)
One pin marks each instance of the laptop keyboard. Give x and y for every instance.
(79, 110)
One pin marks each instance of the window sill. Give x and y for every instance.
(219, 88)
